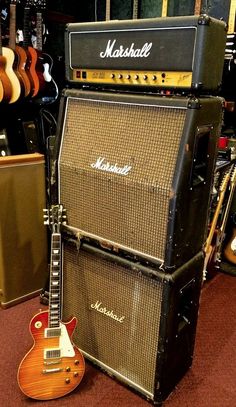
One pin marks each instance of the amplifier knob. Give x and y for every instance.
(154, 78)
(145, 77)
(128, 76)
(136, 77)
(120, 76)
(112, 76)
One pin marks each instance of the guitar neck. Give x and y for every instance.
(164, 10)
(0, 38)
(39, 30)
(108, 10)
(135, 9)
(231, 21)
(12, 26)
(26, 27)
(198, 7)
(55, 282)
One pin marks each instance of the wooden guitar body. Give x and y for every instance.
(8, 53)
(230, 248)
(1, 89)
(21, 61)
(5, 88)
(31, 68)
(54, 366)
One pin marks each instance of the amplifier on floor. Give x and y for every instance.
(135, 171)
(136, 323)
(23, 245)
(173, 52)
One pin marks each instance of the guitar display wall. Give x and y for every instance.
(23, 247)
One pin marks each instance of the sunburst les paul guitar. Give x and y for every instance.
(54, 366)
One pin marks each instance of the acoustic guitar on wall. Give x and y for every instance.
(20, 53)
(5, 83)
(54, 366)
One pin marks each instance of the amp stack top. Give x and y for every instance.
(155, 53)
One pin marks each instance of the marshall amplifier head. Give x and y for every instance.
(173, 52)
(135, 171)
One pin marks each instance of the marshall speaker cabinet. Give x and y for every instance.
(173, 52)
(136, 323)
(135, 172)
(23, 245)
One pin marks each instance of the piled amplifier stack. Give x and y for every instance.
(134, 171)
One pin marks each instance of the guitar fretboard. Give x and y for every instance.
(12, 37)
(135, 9)
(55, 282)
(26, 28)
(39, 30)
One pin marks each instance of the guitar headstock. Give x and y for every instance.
(39, 4)
(55, 216)
(224, 183)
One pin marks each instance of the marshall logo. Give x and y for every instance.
(129, 52)
(109, 313)
(103, 165)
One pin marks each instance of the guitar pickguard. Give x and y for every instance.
(65, 349)
(66, 346)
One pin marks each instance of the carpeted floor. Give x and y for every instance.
(209, 383)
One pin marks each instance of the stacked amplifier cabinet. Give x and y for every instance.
(134, 171)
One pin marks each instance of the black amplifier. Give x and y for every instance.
(171, 52)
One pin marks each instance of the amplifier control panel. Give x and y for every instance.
(163, 79)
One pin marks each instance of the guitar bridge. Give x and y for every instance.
(46, 371)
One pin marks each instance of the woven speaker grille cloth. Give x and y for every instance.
(130, 210)
(128, 347)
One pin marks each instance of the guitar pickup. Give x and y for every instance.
(52, 353)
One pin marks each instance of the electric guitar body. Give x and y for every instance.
(54, 366)
(48, 90)
(230, 248)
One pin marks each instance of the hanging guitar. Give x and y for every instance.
(54, 366)
(12, 73)
(20, 53)
(30, 51)
(48, 90)
(5, 83)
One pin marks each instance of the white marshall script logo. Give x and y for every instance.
(129, 52)
(102, 165)
(99, 308)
